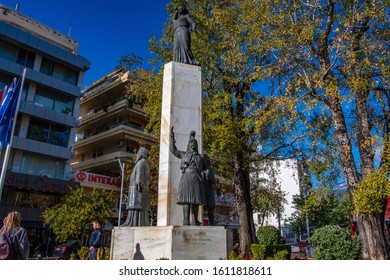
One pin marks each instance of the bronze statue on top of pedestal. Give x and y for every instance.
(183, 24)
(191, 191)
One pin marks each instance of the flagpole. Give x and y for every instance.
(8, 150)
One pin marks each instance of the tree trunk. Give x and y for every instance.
(371, 230)
(371, 227)
(245, 218)
(344, 147)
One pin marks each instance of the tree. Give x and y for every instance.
(267, 197)
(327, 207)
(335, 55)
(71, 218)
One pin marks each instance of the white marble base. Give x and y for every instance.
(169, 242)
(182, 109)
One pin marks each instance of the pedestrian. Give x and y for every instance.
(96, 240)
(17, 234)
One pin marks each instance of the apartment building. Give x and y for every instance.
(39, 168)
(110, 127)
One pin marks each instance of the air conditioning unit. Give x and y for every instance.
(120, 143)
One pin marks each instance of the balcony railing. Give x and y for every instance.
(140, 129)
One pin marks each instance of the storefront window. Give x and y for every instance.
(33, 199)
(34, 164)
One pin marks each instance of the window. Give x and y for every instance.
(44, 98)
(47, 66)
(52, 100)
(38, 130)
(26, 58)
(58, 135)
(59, 71)
(48, 132)
(40, 165)
(33, 199)
(7, 50)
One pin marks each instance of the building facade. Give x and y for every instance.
(110, 126)
(289, 177)
(39, 167)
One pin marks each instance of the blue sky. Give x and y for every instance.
(105, 30)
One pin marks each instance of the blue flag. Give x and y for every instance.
(7, 112)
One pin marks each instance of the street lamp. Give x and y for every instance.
(122, 164)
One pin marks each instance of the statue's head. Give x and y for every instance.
(182, 10)
(142, 153)
(192, 143)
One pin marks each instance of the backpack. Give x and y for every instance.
(7, 250)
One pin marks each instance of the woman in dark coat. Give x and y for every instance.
(18, 235)
(191, 191)
(183, 25)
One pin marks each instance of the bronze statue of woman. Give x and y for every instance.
(191, 192)
(183, 25)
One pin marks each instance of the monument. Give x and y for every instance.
(181, 110)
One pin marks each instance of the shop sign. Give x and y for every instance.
(82, 176)
(37, 182)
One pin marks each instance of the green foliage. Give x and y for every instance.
(72, 217)
(371, 194)
(335, 243)
(83, 253)
(281, 255)
(268, 235)
(323, 207)
(267, 197)
(234, 256)
(130, 62)
(271, 251)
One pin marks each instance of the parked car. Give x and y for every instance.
(64, 251)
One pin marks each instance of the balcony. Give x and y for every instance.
(113, 132)
(105, 84)
(106, 110)
(100, 161)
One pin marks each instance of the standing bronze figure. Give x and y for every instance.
(138, 204)
(183, 25)
(209, 180)
(191, 191)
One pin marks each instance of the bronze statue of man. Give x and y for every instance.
(183, 24)
(138, 204)
(191, 191)
(209, 180)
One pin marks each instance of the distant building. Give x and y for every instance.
(288, 176)
(110, 126)
(39, 167)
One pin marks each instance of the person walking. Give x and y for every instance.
(18, 235)
(96, 240)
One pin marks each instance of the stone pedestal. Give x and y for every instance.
(182, 109)
(169, 242)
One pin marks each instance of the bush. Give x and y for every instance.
(268, 235)
(84, 253)
(271, 251)
(335, 243)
